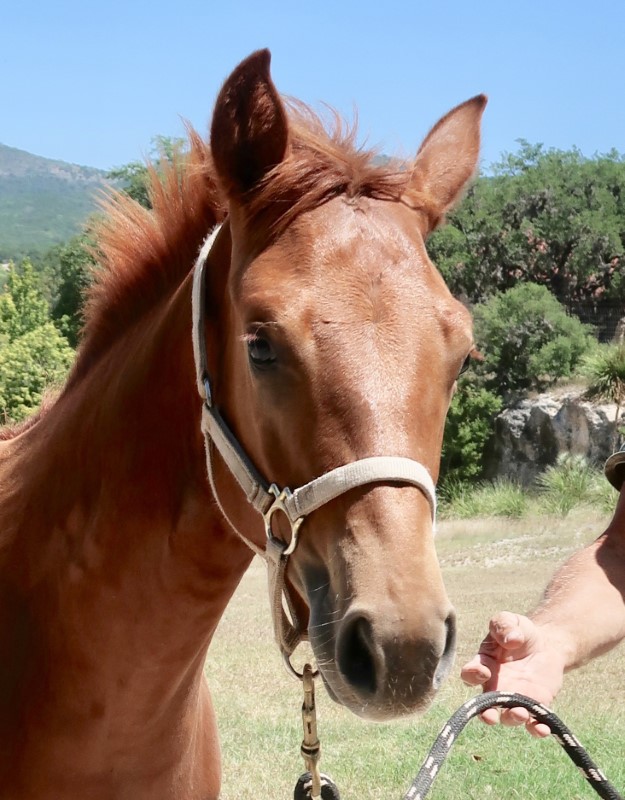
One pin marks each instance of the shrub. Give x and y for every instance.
(602, 494)
(468, 428)
(529, 341)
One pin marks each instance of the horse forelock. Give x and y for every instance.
(324, 161)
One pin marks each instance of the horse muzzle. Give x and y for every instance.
(379, 666)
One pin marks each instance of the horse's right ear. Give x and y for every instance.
(249, 132)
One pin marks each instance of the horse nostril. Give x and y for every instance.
(356, 654)
(446, 660)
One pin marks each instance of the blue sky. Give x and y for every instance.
(92, 82)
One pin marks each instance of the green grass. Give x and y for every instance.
(488, 565)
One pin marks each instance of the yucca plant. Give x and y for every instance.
(566, 484)
(605, 370)
(499, 498)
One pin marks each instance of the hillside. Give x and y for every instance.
(42, 202)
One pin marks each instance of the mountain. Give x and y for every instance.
(42, 202)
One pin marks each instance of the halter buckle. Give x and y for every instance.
(279, 504)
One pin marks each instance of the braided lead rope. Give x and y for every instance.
(441, 747)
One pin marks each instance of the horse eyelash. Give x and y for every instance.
(253, 335)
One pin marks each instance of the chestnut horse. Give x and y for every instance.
(329, 337)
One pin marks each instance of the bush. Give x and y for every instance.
(468, 428)
(573, 482)
(603, 496)
(529, 341)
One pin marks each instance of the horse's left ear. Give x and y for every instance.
(249, 131)
(448, 157)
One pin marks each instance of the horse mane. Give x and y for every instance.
(11, 430)
(143, 255)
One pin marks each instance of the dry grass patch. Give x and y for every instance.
(488, 565)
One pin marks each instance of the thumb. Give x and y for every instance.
(512, 631)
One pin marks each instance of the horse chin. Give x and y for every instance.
(373, 712)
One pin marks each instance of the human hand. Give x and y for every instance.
(517, 656)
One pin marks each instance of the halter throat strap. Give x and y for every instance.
(268, 499)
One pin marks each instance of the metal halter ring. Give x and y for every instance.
(293, 672)
(279, 504)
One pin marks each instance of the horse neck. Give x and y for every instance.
(117, 545)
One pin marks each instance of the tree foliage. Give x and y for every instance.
(22, 306)
(73, 267)
(28, 366)
(134, 176)
(65, 272)
(547, 216)
(33, 352)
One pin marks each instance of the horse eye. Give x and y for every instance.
(261, 352)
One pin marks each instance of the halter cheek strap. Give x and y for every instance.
(268, 499)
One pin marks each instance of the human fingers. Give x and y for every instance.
(491, 716)
(537, 729)
(513, 717)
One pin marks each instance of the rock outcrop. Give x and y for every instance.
(530, 435)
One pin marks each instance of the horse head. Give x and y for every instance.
(331, 338)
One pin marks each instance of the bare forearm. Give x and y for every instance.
(584, 605)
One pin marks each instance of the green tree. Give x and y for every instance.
(73, 267)
(28, 365)
(22, 306)
(544, 216)
(134, 176)
(33, 352)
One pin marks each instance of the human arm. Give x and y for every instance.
(582, 615)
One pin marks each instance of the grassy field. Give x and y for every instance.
(489, 565)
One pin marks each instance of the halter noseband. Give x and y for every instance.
(268, 499)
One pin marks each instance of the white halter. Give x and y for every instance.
(267, 498)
